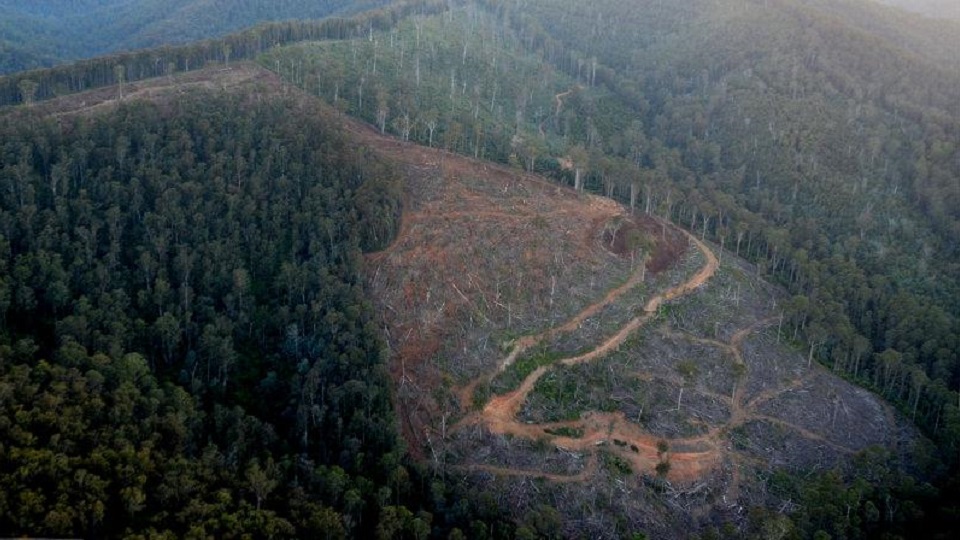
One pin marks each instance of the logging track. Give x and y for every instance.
(690, 458)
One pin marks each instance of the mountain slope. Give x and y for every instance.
(465, 82)
(599, 369)
(816, 138)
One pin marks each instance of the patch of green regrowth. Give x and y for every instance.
(615, 464)
(481, 395)
(511, 378)
(662, 447)
(565, 394)
(565, 431)
(740, 438)
(664, 312)
(687, 369)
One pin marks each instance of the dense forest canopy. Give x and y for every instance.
(39, 34)
(184, 346)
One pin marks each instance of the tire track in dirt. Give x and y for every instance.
(589, 469)
(559, 98)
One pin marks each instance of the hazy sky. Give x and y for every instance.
(936, 8)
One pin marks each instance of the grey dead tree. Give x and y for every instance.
(417, 69)
(400, 58)
(383, 109)
(118, 72)
(28, 91)
(360, 93)
(430, 121)
(403, 125)
(580, 159)
(740, 233)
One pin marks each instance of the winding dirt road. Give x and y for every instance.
(559, 98)
(641, 449)
(689, 459)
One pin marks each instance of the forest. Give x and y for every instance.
(816, 139)
(186, 350)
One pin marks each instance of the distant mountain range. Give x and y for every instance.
(40, 34)
(942, 9)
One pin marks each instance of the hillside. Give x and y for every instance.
(795, 134)
(787, 131)
(564, 373)
(609, 270)
(530, 328)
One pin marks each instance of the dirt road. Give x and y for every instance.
(641, 449)
(689, 458)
